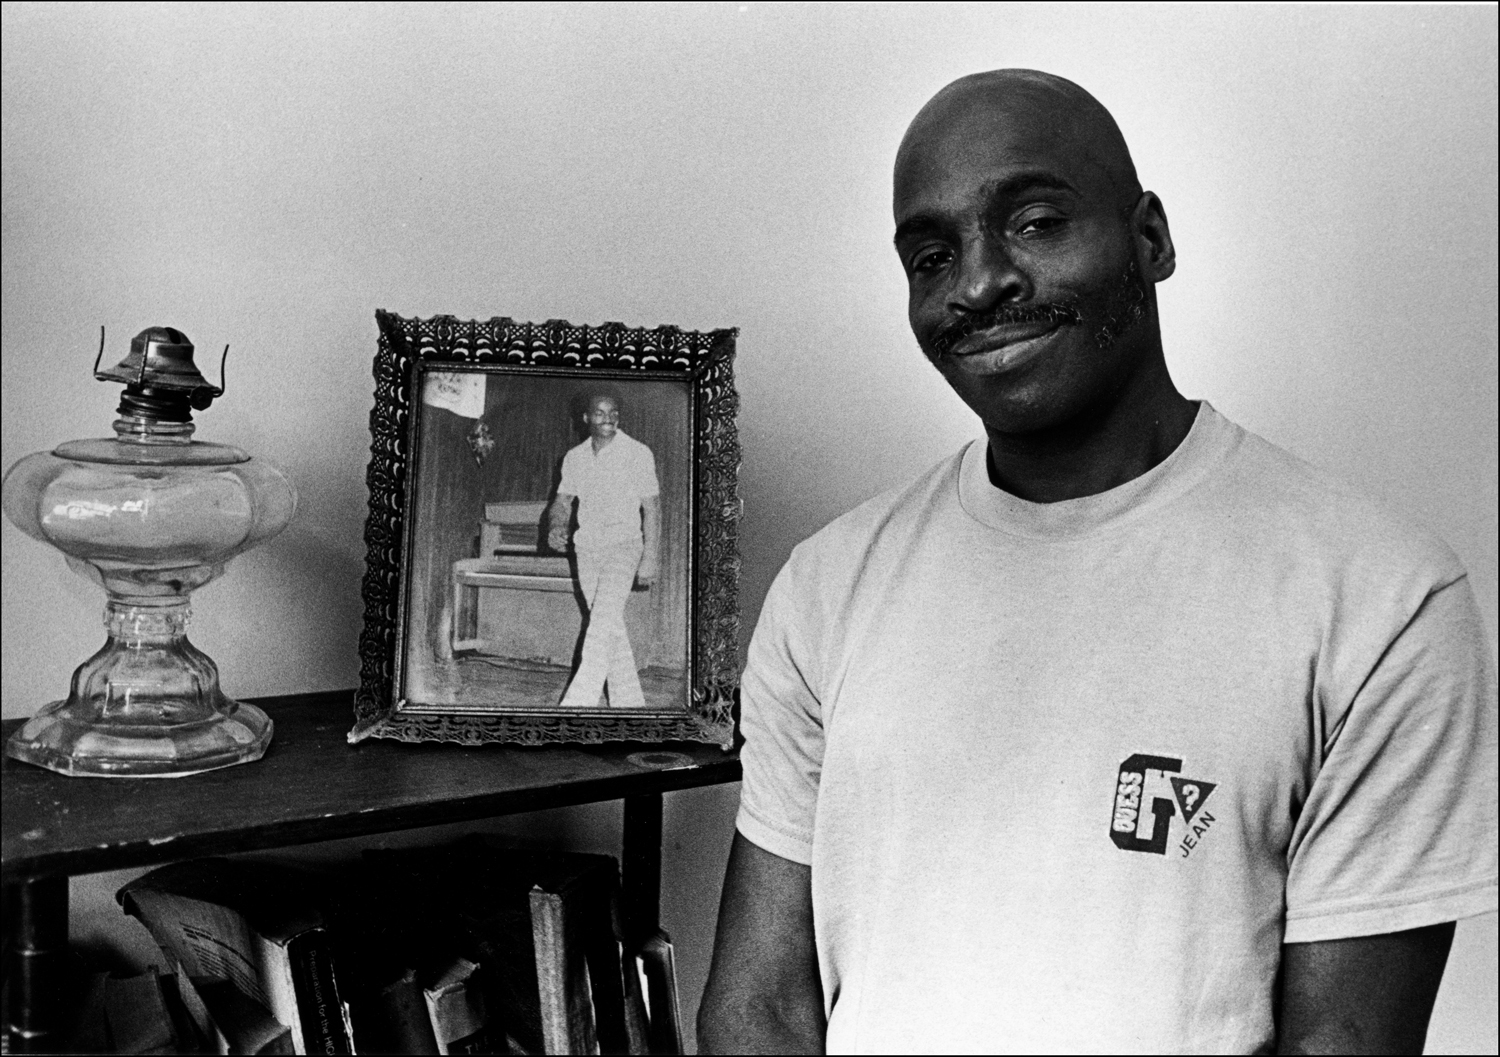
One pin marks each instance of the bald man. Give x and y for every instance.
(1121, 730)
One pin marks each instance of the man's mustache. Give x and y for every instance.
(1060, 313)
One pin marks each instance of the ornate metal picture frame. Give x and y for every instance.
(551, 546)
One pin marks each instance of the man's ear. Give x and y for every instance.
(1155, 253)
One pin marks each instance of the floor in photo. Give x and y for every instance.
(498, 682)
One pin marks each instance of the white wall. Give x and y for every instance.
(269, 176)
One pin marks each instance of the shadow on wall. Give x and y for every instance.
(309, 579)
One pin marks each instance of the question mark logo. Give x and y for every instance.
(1192, 794)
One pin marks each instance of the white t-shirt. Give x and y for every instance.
(1068, 775)
(610, 485)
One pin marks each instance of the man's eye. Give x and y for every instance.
(1039, 225)
(930, 260)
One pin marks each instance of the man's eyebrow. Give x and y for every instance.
(920, 224)
(1032, 180)
(1009, 187)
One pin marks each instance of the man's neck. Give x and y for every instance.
(1095, 452)
(600, 442)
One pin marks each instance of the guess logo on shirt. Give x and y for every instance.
(1149, 792)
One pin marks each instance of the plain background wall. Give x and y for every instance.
(269, 176)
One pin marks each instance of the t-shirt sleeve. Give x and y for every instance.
(568, 484)
(781, 720)
(1399, 827)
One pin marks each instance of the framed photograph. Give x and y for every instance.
(551, 544)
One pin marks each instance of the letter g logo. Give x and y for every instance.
(1137, 825)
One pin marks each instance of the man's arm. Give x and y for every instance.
(558, 515)
(764, 994)
(646, 572)
(1372, 994)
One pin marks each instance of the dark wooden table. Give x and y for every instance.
(310, 786)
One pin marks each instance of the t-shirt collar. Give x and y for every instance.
(1209, 441)
(614, 442)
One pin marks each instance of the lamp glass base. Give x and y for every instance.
(58, 739)
(147, 705)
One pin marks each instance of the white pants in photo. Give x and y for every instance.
(605, 577)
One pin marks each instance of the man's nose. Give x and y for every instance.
(987, 277)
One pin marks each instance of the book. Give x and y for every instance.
(455, 1004)
(657, 967)
(545, 927)
(637, 1023)
(248, 923)
(89, 1031)
(412, 990)
(566, 998)
(229, 1021)
(397, 1021)
(138, 1018)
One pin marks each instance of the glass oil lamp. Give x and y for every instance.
(149, 515)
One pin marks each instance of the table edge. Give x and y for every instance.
(284, 834)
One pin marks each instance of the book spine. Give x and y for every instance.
(324, 1030)
(551, 975)
(279, 985)
(408, 1028)
(659, 968)
(606, 981)
(637, 1022)
(459, 1021)
(567, 1003)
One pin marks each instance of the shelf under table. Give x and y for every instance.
(313, 786)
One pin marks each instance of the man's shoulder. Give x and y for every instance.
(846, 539)
(631, 445)
(574, 464)
(1304, 506)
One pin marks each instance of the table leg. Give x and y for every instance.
(641, 867)
(37, 927)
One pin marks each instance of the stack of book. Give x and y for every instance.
(137, 1014)
(473, 947)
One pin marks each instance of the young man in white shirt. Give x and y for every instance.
(1121, 730)
(612, 476)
